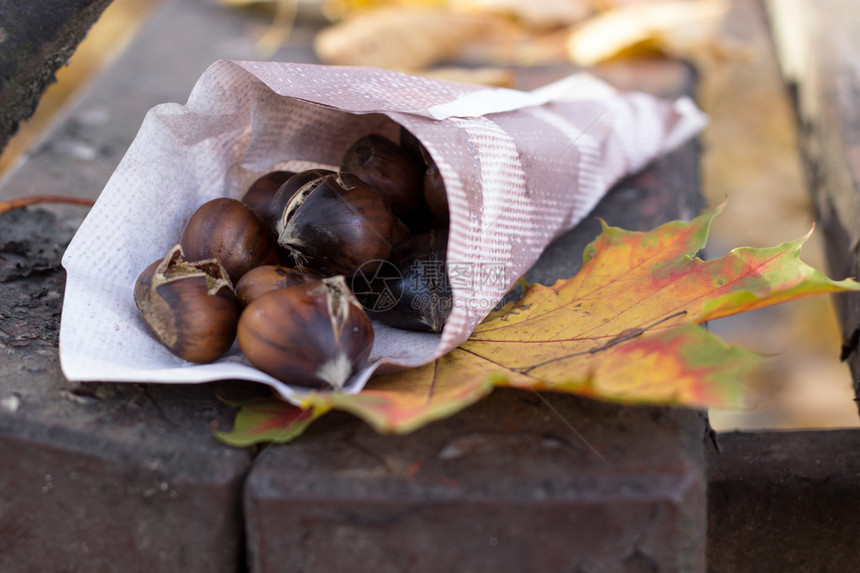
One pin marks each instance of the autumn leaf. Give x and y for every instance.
(626, 328)
(405, 401)
(264, 419)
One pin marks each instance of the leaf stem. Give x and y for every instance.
(623, 336)
(21, 202)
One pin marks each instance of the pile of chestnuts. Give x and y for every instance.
(297, 267)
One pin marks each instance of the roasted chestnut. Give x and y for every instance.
(390, 170)
(227, 230)
(336, 224)
(259, 195)
(190, 307)
(314, 335)
(260, 280)
(411, 290)
(289, 188)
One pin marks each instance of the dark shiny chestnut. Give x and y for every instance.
(435, 195)
(286, 191)
(189, 307)
(260, 280)
(412, 290)
(336, 224)
(400, 233)
(227, 230)
(259, 195)
(314, 335)
(390, 170)
(411, 145)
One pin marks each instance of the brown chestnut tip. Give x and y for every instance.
(314, 335)
(260, 280)
(189, 307)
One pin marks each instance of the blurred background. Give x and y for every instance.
(750, 150)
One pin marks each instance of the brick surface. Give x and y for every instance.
(518, 482)
(784, 501)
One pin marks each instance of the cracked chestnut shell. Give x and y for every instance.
(389, 169)
(336, 224)
(260, 280)
(189, 307)
(227, 230)
(314, 335)
(286, 192)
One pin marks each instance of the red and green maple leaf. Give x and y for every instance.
(626, 328)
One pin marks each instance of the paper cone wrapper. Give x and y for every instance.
(520, 168)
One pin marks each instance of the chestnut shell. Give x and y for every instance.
(389, 169)
(259, 195)
(411, 145)
(336, 224)
(260, 280)
(227, 230)
(411, 291)
(189, 307)
(435, 195)
(314, 335)
(287, 190)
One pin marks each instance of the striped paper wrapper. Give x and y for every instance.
(520, 168)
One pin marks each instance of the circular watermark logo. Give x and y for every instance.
(376, 285)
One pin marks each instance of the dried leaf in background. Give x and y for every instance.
(487, 76)
(538, 14)
(680, 28)
(340, 9)
(402, 38)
